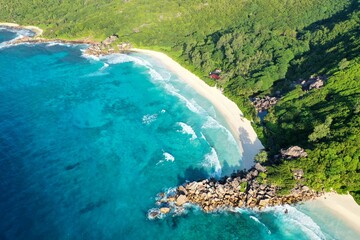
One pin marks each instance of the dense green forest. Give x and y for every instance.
(262, 47)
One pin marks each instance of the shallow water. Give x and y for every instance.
(87, 143)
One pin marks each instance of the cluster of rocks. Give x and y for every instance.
(314, 82)
(262, 104)
(27, 39)
(293, 152)
(241, 190)
(96, 49)
(106, 47)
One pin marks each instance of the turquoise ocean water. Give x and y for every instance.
(87, 143)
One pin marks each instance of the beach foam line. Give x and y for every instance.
(36, 30)
(297, 219)
(212, 161)
(245, 136)
(344, 207)
(258, 221)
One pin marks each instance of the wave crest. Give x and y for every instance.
(186, 129)
(212, 161)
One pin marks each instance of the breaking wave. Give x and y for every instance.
(168, 157)
(186, 129)
(211, 123)
(258, 221)
(212, 161)
(297, 219)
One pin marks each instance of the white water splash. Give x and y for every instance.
(258, 221)
(297, 219)
(186, 129)
(211, 123)
(106, 65)
(168, 157)
(212, 161)
(149, 118)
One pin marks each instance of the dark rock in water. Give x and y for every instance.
(154, 213)
(92, 206)
(72, 166)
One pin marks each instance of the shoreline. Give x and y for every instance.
(37, 31)
(240, 127)
(343, 207)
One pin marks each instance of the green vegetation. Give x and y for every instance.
(261, 157)
(263, 47)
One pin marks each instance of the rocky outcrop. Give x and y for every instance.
(262, 104)
(45, 40)
(293, 152)
(260, 168)
(298, 174)
(103, 49)
(241, 190)
(96, 49)
(314, 82)
(107, 47)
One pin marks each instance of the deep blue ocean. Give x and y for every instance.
(87, 143)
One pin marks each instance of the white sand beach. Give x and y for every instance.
(38, 31)
(241, 128)
(344, 207)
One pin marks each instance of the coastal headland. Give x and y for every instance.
(241, 189)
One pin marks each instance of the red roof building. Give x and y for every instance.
(214, 76)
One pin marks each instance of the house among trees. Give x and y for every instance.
(215, 74)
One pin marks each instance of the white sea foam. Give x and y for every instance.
(298, 219)
(190, 104)
(106, 65)
(89, 57)
(149, 118)
(258, 221)
(20, 33)
(202, 136)
(186, 129)
(211, 123)
(123, 58)
(51, 44)
(155, 75)
(96, 74)
(168, 157)
(212, 161)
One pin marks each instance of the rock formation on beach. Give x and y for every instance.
(96, 49)
(241, 190)
(106, 47)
